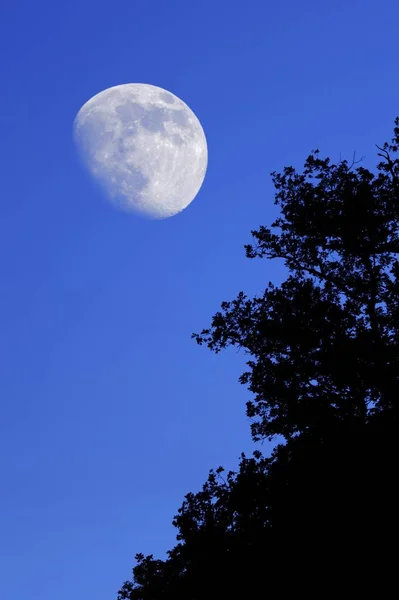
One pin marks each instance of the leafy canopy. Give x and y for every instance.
(323, 368)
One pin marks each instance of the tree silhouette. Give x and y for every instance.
(323, 368)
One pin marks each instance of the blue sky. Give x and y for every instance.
(110, 412)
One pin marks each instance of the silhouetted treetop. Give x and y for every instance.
(323, 368)
(323, 346)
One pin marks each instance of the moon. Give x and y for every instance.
(145, 147)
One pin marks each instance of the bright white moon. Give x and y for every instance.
(144, 146)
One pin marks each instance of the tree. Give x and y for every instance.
(324, 370)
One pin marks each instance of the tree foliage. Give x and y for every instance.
(323, 368)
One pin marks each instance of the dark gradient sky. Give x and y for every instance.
(110, 413)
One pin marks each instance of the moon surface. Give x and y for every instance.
(144, 146)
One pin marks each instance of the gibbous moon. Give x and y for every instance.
(144, 146)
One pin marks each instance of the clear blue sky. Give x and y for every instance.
(110, 413)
